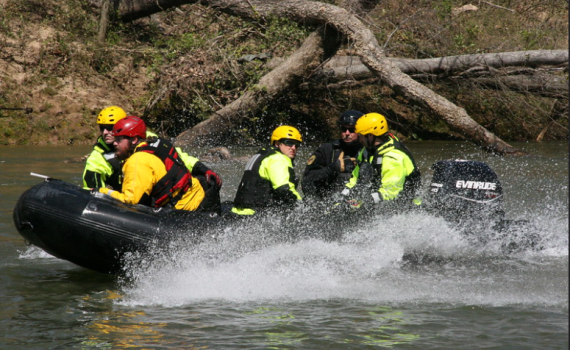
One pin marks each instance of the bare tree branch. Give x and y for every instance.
(365, 45)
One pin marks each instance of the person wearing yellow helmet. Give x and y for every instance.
(330, 167)
(269, 178)
(154, 173)
(386, 171)
(102, 168)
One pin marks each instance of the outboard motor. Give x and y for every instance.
(468, 194)
(465, 191)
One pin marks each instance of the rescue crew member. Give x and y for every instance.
(330, 167)
(103, 169)
(269, 179)
(154, 174)
(209, 180)
(386, 171)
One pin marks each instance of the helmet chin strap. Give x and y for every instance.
(132, 147)
(369, 141)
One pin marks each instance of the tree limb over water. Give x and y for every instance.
(364, 44)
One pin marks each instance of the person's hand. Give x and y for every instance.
(354, 204)
(349, 165)
(366, 173)
(346, 165)
(335, 166)
(213, 177)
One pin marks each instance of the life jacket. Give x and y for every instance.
(115, 179)
(168, 190)
(255, 192)
(340, 151)
(112, 178)
(412, 184)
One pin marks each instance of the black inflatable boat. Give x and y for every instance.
(95, 231)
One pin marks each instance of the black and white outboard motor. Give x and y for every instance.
(469, 194)
(464, 190)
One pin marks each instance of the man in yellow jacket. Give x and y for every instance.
(154, 174)
(104, 169)
(386, 171)
(269, 179)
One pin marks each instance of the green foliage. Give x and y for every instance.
(443, 8)
(467, 38)
(531, 38)
(276, 35)
(174, 47)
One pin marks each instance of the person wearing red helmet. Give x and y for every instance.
(154, 174)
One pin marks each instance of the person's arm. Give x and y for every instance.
(318, 174)
(97, 170)
(188, 160)
(197, 168)
(92, 179)
(279, 171)
(138, 179)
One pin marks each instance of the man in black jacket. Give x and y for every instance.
(330, 167)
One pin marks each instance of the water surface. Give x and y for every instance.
(252, 289)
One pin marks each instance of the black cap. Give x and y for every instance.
(349, 117)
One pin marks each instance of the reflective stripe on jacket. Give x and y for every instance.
(396, 175)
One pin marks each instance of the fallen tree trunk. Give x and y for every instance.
(539, 82)
(342, 71)
(363, 42)
(546, 85)
(214, 129)
(453, 64)
(288, 74)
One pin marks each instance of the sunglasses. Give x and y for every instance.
(350, 129)
(118, 139)
(290, 143)
(108, 127)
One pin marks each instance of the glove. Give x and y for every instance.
(336, 168)
(349, 165)
(213, 177)
(366, 173)
(354, 204)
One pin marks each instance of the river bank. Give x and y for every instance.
(178, 67)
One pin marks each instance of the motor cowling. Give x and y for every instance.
(462, 189)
